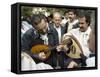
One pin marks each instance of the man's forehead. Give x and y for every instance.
(71, 12)
(57, 17)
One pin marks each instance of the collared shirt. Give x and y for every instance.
(90, 62)
(45, 37)
(70, 26)
(83, 38)
(64, 21)
(59, 32)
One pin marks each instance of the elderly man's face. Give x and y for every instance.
(57, 20)
(83, 24)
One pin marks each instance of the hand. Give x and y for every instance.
(59, 48)
(72, 64)
(65, 48)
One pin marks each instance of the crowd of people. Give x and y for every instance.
(69, 42)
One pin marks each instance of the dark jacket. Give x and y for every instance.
(55, 33)
(74, 26)
(31, 38)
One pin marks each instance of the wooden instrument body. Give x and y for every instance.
(75, 51)
(39, 49)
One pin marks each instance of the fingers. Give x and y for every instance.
(59, 48)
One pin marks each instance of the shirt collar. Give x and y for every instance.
(87, 32)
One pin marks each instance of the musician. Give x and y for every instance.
(82, 35)
(40, 30)
(41, 33)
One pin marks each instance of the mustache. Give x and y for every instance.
(81, 28)
(70, 17)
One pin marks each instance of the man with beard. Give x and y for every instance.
(72, 22)
(40, 31)
(40, 34)
(82, 35)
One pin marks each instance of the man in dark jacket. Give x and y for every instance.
(41, 33)
(58, 31)
(34, 35)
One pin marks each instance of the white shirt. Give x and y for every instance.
(83, 38)
(64, 21)
(25, 26)
(45, 39)
(90, 62)
(70, 26)
(59, 32)
(27, 63)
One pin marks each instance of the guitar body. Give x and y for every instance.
(41, 48)
(75, 49)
